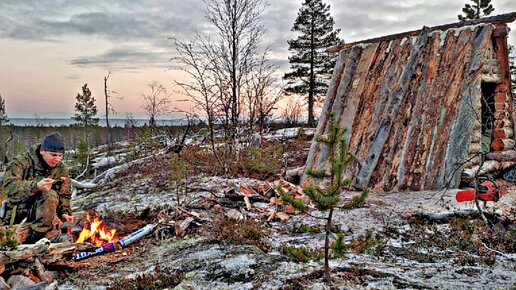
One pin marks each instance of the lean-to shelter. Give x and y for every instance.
(421, 106)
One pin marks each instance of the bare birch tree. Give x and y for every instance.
(4, 121)
(197, 62)
(261, 93)
(156, 103)
(225, 60)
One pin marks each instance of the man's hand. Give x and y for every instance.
(68, 218)
(45, 184)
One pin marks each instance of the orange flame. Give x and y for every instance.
(95, 232)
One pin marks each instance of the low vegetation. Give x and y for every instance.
(243, 232)
(158, 279)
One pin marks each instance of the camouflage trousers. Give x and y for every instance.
(41, 215)
(46, 211)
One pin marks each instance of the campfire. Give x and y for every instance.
(95, 231)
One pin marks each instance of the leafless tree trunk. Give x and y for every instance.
(196, 58)
(109, 108)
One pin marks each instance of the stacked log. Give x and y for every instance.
(503, 131)
(503, 143)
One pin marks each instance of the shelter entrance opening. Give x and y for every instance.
(487, 111)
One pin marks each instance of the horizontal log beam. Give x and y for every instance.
(499, 19)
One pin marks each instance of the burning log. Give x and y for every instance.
(95, 231)
(110, 247)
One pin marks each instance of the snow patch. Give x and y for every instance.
(289, 133)
(105, 161)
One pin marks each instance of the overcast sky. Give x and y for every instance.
(50, 48)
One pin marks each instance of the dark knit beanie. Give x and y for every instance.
(54, 143)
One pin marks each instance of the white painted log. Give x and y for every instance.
(110, 173)
(488, 166)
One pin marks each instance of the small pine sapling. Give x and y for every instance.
(339, 246)
(326, 198)
(178, 175)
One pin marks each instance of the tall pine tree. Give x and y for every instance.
(311, 66)
(85, 108)
(478, 9)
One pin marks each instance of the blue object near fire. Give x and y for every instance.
(108, 247)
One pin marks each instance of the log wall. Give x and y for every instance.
(412, 104)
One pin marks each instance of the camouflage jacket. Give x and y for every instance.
(21, 178)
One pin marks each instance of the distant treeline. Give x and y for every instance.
(16, 139)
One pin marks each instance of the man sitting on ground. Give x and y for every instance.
(38, 189)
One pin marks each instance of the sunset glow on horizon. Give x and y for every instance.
(50, 49)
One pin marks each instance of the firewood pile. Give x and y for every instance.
(266, 199)
(38, 265)
(34, 264)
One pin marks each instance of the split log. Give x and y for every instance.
(473, 161)
(443, 217)
(489, 166)
(509, 155)
(476, 137)
(500, 115)
(502, 144)
(504, 123)
(503, 133)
